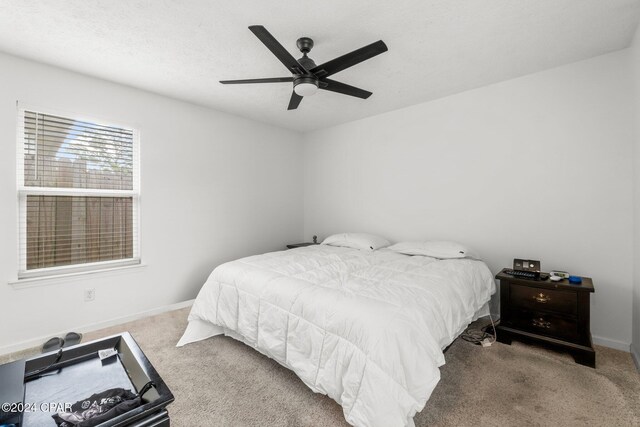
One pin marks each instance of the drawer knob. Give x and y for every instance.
(541, 323)
(542, 298)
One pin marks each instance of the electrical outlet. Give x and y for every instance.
(89, 294)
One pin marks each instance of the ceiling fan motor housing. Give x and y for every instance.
(305, 44)
(307, 62)
(305, 85)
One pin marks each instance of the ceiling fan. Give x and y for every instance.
(307, 77)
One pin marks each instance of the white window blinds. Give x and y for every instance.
(78, 193)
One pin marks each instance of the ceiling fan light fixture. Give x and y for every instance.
(305, 86)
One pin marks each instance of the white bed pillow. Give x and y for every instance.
(363, 241)
(434, 249)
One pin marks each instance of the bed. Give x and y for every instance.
(366, 328)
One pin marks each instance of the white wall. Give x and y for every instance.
(537, 167)
(635, 346)
(214, 187)
(441, 170)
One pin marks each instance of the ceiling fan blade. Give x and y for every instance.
(350, 59)
(277, 49)
(267, 80)
(294, 101)
(344, 89)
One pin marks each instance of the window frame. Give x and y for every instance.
(22, 191)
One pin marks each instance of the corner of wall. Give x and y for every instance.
(635, 355)
(635, 333)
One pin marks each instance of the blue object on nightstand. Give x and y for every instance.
(576, 280)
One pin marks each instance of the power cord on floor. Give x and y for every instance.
(481, 336)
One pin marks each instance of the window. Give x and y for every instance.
(78, 193)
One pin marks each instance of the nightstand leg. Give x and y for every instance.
(584, 357)
(503, 336)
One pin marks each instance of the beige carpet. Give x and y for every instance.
(221, 382)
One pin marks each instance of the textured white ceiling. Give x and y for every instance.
(436, 47)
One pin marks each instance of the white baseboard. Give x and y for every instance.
(35, 342)
(635, 355)
(615, 344)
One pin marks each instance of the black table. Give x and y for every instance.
(37, 389)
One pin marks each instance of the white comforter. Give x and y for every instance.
(365, 328)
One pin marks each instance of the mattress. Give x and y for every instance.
(366, 328)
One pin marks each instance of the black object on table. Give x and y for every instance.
(556, 314)
(522, 274)
(48, 379)
(11, 391)
(300, 245)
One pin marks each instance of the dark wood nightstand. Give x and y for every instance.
(552, 313)
(300, 245)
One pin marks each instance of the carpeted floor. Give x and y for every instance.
(221, 382)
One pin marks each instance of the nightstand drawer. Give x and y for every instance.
(527, 297)
(545, 324)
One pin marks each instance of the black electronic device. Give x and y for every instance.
(526, 265)
(522, 274)
(12, 392)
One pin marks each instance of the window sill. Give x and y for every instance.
(33, 282)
